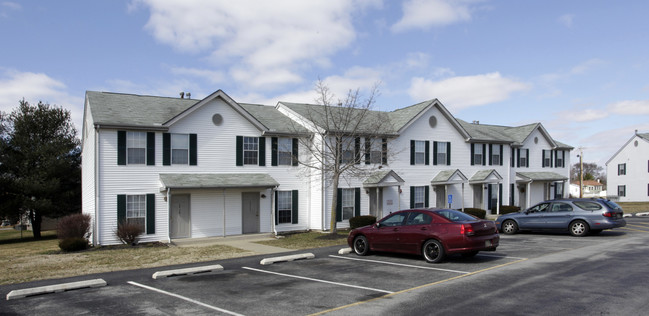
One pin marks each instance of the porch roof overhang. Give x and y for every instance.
(545, 176)
(451, 176)
(216, 180)
(486, 176)
(383, 178)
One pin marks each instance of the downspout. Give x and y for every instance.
(223, 212)
(462, 196)
(272, 210)
(168, 199)
(95, 237)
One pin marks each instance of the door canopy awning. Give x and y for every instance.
(451, 176)
(488, 176)
(539, 176)
(216, 181)
(383, 178)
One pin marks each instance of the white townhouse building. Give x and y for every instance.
(627, 172)
(185, 168)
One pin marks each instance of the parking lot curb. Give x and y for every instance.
(186, 271)
(267, 261)
(344, 251)
(55, 288)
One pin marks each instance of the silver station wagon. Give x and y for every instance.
(579, 216)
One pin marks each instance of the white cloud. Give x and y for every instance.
(585, 115)
(269, 41)
(35, 87)
(211, 75)
(424, 14)
(466, 91)
(630, 107)
(566, 19)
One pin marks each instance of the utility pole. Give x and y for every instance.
(581, 172)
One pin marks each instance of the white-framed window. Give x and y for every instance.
(136, 210)
(621, 169)
(522, 159)
(135, 148)
(347, 147)
(376, 151)
(285, 151)
(441, 153)
(547, 158)
(180, 149)
(495, 154)
(420, 152)
(477, 154)
(284, 206)
(559, 159)
(250, 150)
(419, 195)
(621, 190)
(348, 202)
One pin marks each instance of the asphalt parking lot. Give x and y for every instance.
(329, 282)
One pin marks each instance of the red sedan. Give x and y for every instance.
(433, 233)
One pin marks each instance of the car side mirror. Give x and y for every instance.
(378, 225)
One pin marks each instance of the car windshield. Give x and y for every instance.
(455, 216)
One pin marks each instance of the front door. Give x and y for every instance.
(376, 202)
(179, 216)
(250, 212)
(440, 197)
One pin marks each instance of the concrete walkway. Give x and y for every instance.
(246, 242)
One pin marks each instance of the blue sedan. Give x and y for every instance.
(579, 216)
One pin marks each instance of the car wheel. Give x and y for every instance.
(361, 247)
(510, 227)
(579, 228)
(433, 251)
(469, 254)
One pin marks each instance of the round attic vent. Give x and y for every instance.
(217, 119)
(536, 140)
(635, 143)
(432, 121)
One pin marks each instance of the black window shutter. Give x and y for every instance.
(489, 201)
(368, 145)
(384, 151)
(412, 152)
(262, 151)
(512, 158)
(542, 158)
(150, 149)
(552, 154)
(294, 208)
(511, 194)
(121, 148)
(150, 214)
(273, 151)
(500, 193)
(527, 157)
(448, 153)
(484, 154)
(294, 158)
(563, 161)
(239, 149)
(166, 149)
(121, 208)
(472, 154)
(434, 153)
(193, 149)
(339, 206)
(426, 196)
(518, 154)
(276, 209)
(412, 197)
(491, 150)
(501, 155)
(427, 153)
(357, 150)
(357, 202)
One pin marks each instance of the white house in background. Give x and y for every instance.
(592, 188)
(185, 168)
(627, 172)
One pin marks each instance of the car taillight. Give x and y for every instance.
(608, 214)
(467, 229)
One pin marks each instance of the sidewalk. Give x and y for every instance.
(246, 242)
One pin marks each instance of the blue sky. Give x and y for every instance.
(578, 67)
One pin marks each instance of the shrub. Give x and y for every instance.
(360, 221)
(479, 213)
(505, 209)
(73, 244)
(73, 226)
(128, 232)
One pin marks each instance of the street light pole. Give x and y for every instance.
(581, 172)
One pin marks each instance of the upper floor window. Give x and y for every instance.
(179, 149)
(442, 152)
(523, 160)
(420, 152)
(547, 158)
(136, 148)
(285, 151)
(250, 150)
(478, 154)
(621, 169)
(559, 159)
(496, 155)
(376, 151)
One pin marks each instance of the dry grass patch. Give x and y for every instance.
(309, 240)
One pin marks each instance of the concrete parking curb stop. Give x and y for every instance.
(267, 261)
(55, 288)
(186, 271)
(344, 251)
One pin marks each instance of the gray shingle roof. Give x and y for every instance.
(109, 108)
(644, 135)
(541, 176)
(221, 180)
(376, 122)
(273, 119)
(379, 176)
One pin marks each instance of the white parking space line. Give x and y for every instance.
(504, 257)
(184, 298)
(318, 280)
(399, 264)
